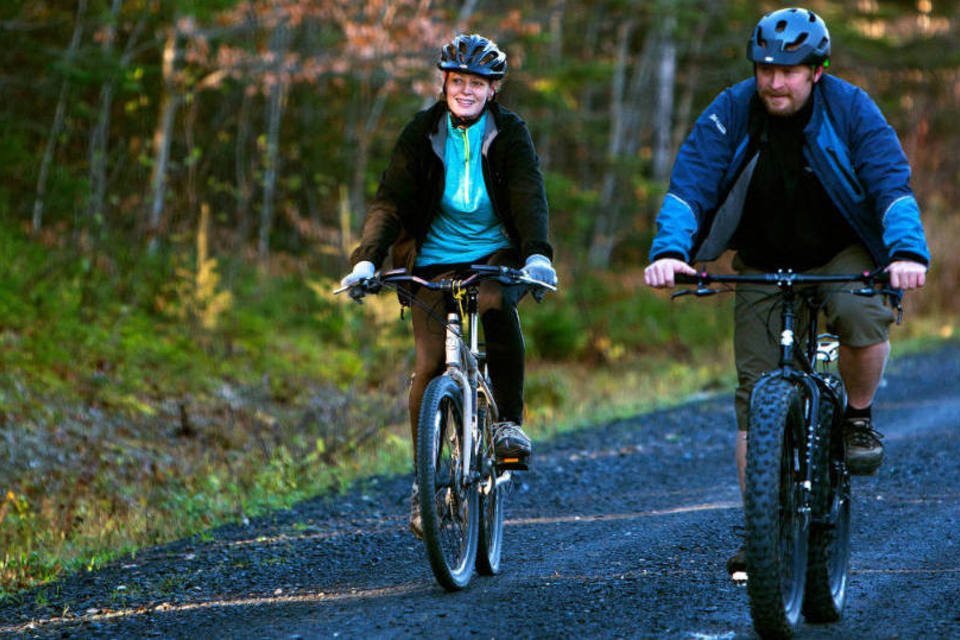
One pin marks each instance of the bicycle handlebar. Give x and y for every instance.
(476, 274)
(874, 283)
(784, 278)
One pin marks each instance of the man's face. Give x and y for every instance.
(467, 93)
(785, 89)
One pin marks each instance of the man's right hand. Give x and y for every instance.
(661, 273)
(361, 271)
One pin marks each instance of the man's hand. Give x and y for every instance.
(661, 273)
(361, 271)
(907, 274)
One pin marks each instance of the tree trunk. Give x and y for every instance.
(555, 50)
(189, 137)
(162, 138)
(685, 108)
(466, 12)
(666, 76)
(607, 217)
(241, 162)
(362, 158)
(98, 138)
(58, 117)
(278, 48)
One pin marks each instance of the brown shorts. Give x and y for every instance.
(858, 321)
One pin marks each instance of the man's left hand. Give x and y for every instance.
(907, 274)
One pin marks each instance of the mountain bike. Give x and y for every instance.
(798, 496)
(461, 483)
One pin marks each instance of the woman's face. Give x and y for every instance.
(467, 94)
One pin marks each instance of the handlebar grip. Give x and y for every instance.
(686, 278)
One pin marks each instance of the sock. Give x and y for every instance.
(853, 413)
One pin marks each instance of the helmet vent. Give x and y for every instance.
(796, 44)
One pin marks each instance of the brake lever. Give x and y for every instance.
(895, 296)
(357, 293)
(699, 292)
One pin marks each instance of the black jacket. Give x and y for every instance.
(412, 186)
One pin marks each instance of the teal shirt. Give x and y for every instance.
(466, 227)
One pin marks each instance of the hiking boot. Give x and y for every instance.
(416, 524)
(737, 564)
(864, 450)
(511, 445)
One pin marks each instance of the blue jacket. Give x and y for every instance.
(849, 146)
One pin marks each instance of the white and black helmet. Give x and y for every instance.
(789, 37)
(473, 54)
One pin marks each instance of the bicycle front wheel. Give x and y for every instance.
(448, 495)
(829, 554)
(491, 497)
(777, 532)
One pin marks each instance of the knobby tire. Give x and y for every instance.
(448, 506)
(829, 551)
(491, 502)
(776, 544)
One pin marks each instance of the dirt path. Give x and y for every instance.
(620, 531)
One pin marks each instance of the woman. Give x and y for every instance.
(464, 187)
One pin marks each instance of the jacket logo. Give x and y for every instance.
(716, 121)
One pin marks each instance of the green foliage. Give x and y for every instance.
(555, 332)
(145, 396)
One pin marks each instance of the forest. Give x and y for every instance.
(182, 182)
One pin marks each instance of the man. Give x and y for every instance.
(796, 169)
(464, 187)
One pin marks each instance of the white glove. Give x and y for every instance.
(540, 268)
(361, 271)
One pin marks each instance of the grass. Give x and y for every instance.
(138, 407)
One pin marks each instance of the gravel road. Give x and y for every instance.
(619, 531)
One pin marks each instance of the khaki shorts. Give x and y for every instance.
(858, 321)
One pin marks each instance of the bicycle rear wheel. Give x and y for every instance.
(776, 544)
(448, 497)
(491, 497)
(829, 552)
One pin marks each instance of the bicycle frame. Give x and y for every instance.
(463, 365)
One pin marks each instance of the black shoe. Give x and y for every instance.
(416, 523)
(737, 564)
(511, 445)
(864, 450)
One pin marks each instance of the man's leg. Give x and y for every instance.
(862, 324)
(741, 455)
(862, 369)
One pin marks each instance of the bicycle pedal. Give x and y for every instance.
(512, 463)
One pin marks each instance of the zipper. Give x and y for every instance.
(466, 165)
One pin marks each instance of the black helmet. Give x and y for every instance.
(473, 54)
(789, 37)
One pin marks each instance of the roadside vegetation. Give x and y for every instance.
(141, 404)
(181, 184)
